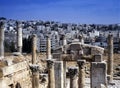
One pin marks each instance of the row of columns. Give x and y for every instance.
(77, 74)
(19, 38)
(110, 53)
(81, 63)
(51, 76)
(73, 71)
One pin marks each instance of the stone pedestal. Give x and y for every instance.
(1, 40)
(110, 56)
(34, 48)
(51, 78)
(19, 36)
(58, 74)
(48, 48)
(73, 71)
(35, 75)
(81, 79)
(98, 74)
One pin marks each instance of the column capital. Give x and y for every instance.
(81, 63)
(110, 35)
(34, 39)
(34, 68)
(19, 24)
(34, 35)
(48, 36)
(73, 71)
(50, 63)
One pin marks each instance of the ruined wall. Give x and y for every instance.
(15, 75)
(76, 49)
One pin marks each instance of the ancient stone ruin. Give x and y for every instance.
(27, 72)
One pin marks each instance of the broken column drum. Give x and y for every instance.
(19, 37)
(35, 75)
(73, 71)
(34, 48)
(51, 78)
(110, 56)
(48, 48)
(81, 79)
(1, 39)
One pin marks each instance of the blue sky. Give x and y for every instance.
(70, 11)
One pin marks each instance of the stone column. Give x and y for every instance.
(73, 71)
(35, 75)
(58, 74)
(81, 39)
(64, 40)
(1, 40)
(110, 56)
(51, 78)
(64, 73)
(34, 48)
(19, 37)
(81, 79)
(48, 48)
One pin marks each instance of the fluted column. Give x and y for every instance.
(110, 56)
(19, 37)
(73, 71)
(51, 77)
(48, 48)
(81, 79)
(34, 48)
(35, 75)
(1, 40)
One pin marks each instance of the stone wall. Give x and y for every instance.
(15, 75)
(76, 49)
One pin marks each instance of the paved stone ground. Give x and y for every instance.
(116, 82)
(87, 80)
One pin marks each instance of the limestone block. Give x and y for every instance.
(75, 47)
(98, 74)
(97, 58)
(13, 68)
(58, 74)
(3, 83)
(56, 56)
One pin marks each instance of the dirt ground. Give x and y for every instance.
(42, 57)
